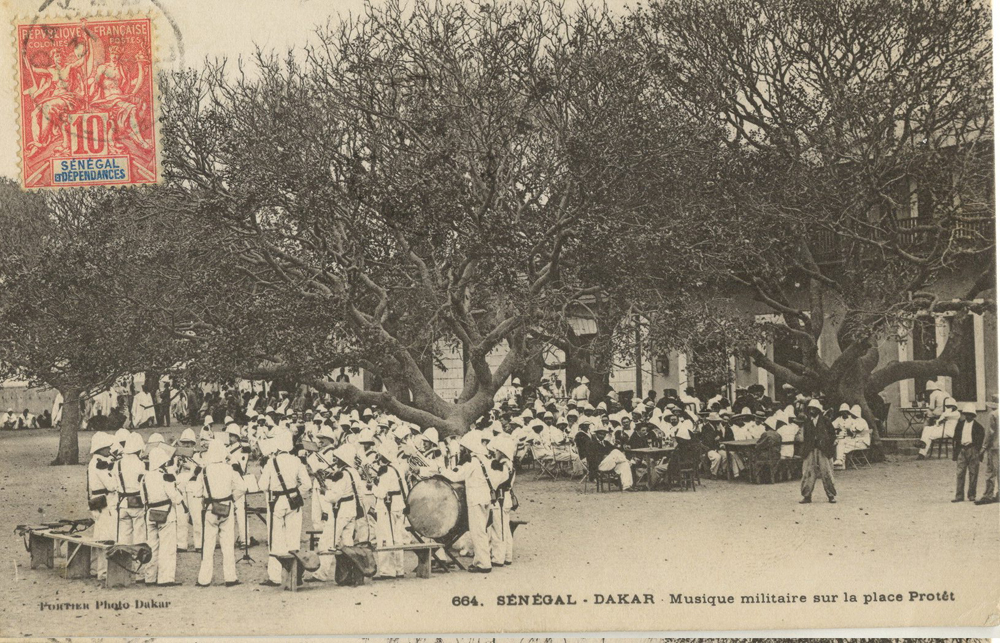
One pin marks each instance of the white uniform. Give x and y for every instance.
(477, 497)
(319, 506)
(101, 483)
(161, 537)
(129, 472)
(283, 476)
(191, 490)
(390, 522)
(501, 541)
(220, 483)
(344, 507)
(240, 459)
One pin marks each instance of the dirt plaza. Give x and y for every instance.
(893, 531)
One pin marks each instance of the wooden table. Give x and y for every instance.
(650, 455)
(736, 446)
(915, 417)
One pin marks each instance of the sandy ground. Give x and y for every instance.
(893, 531)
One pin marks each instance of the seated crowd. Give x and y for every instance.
(570, 433)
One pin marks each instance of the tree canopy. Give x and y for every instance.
(472, 176)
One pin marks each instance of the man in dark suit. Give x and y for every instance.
(638, 440)
(585, 448)
(818, 451)
(968, 442)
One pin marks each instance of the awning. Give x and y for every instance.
(583, 326)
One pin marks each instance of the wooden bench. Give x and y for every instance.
(313, 535)
(424, 553)
(292, 571)
(79, 550)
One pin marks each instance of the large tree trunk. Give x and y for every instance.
(69, 447)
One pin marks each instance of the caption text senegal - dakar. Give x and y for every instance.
(912, 596)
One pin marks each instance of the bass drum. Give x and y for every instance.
(437, 510)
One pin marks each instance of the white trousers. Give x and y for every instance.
(194, 504)
(131, 525)
(286, 534)
(241, 519)
(617, 462)
(223, 530)
(501, 540)
(104, 529)
(183, 524)
(846, 445)
(478, 516)
(316, 513)
(716, 461)
(162, 540)
(336, 534)
(389, 532)
(934, 432)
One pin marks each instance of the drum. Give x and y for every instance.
(436, 509)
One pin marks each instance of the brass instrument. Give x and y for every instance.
(316, 475)
(365, 470)
(413, 455)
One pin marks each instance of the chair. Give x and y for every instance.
(789, 468)
(686, 467)
(687, 479)
(857, 458)
(943, 446)
(546, 467)
(608, 479)
(761, 465)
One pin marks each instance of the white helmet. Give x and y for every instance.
(346, 454)
(133, 444)
(473, 441)
(158, 458)
(216, 452)
(283, 441)
(101, 440)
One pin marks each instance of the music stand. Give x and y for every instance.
(247, 510)
(246, 534)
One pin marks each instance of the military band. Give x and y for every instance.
(352, 468)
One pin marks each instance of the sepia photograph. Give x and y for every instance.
(497, 316)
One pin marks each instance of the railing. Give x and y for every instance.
(912, 235)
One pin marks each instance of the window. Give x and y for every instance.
(924, 342)
(786, 350)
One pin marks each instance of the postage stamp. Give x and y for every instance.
(87, 103)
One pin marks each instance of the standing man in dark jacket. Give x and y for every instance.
(968, 442)
(818, 451)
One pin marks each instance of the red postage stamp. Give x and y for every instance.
(87, 103)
